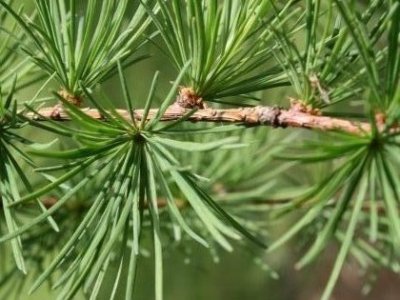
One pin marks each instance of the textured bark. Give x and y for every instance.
(247, 116)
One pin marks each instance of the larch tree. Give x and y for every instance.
(89, 184)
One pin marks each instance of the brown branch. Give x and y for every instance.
(248, 116)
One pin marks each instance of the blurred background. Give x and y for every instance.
(243, 273)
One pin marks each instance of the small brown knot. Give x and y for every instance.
(269, 115)
(297, 105)
(188, 98)
(380, 119)
(73, 99)
(49, 202)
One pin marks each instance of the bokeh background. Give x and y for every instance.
(241, 274)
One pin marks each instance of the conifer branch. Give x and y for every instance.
(247, 116)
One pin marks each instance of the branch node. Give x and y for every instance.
(56, 112)
(73, 99)
(297, 105)
(188, 98)
(270, 115)
(380, 119)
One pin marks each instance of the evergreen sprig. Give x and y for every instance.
(12, 62)
(227, 44)
(81, 47)
(12, 175)
(105, 189)
(134, 156)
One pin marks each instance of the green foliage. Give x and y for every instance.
(90, 196)
(12, 173)
(11, 64)
(78, 47)
(220, 41)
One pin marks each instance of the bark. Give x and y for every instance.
(247, 116)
